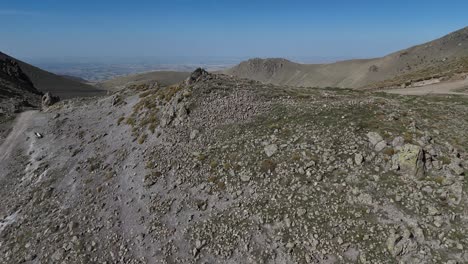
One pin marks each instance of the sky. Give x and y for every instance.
(217, 28)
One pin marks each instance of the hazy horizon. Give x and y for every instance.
(104, 68)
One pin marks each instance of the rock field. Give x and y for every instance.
(218, 169)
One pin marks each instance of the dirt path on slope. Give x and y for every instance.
(439, 88)
(19, 128)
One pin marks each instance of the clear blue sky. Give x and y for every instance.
(329, 28)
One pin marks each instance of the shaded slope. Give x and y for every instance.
(16, 89)
(13, 81)
(447, 55)
(48, 82)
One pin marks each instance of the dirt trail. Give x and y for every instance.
(19, 128)
(439, 88)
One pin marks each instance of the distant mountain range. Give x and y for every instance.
(442, 58)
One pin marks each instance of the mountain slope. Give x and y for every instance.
(444, 57)
(226, 170)
(164, 78)
(48, 82)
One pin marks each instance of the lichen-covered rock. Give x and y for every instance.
(410, 159)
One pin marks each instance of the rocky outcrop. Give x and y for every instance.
(196, 76)
(48, 100)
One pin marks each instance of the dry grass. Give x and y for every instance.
(119, 121)
(167, 93)
(142, 139)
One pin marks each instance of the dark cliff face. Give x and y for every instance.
(17, 92)
(45, 81)
(13, 81)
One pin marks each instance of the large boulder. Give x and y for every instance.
(410, 159)
(402, 243)
(48, 99)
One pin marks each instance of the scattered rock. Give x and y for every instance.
(245, 177)
(58, 254)
(374, 138)
(270, 150)
(151, 178)
(380, 146)
(376, 141)
(398, 142)
(456, 168)
(72, 225)
(358, 158)
(301, 212)
(194, 134)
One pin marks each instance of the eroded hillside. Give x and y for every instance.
(225, 170)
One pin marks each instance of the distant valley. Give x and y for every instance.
(103, 69)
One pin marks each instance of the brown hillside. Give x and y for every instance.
(446, 55)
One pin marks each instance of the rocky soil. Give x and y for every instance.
(225, 170)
